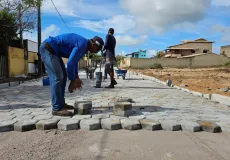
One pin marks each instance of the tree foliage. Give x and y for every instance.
(8, 27)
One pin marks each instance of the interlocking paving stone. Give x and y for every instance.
(138, 117)
(130, 124)
(151, 125)
(110, 124)
(170, 125)
(80, 117)
(122, 109)
(7, 117)
(68, 124)
(101, 116)
(6, 126)
(125, 99)
(83, 107)
(39, 113)
(90, 124)
(116, 117)
(59, 117)
(46, 124)
(42, 117)
(190, 126)
(210, 126)
(25, 125)
(23, 117)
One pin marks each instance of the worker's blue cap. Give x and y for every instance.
(98, 41)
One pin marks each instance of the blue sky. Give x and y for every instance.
(151, 25)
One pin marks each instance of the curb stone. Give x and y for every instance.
(90, 124)
(170, 125)
(221, 99)
(14, 84)
(130, 124)
(6, 126)
(46, 124)
(111, 124)
(150, 125)
(209, 126)
(25, 125)
(68, 124)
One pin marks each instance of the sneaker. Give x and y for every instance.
(62, 112)
(67, 107)
(110, 86)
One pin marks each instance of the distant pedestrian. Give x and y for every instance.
(109, 48)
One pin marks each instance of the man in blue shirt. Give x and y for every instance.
(109, 48)
(73, 47)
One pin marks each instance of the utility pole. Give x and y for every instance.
(39, 37)
(20, 24)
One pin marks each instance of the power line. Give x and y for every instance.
(60, 15)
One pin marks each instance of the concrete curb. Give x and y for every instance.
(213, 97)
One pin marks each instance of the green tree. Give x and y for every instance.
(8, 27)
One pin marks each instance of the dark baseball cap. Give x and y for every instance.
(98, 41)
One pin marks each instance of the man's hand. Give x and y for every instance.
(75, 84)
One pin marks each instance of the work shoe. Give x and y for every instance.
(62, 112)
(110, 86)
(113, 82)
(67, 107)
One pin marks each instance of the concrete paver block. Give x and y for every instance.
(42, 117)
(210, 126)
(116, 117)
(170, 125)
(47, 124)
(36, 113)
(6, 126)
(110, 124)
(68, 124)
(138, 117)
(122, 109)
(101, 116)
(14, 84)
(23, 117)
(221, 99)
(197, 94)
(77, 103)
(130, 124)
(25, 125)
(4, 85)
(151, 125)
(90, 124)
(60, 117)
(207, 96)
(81, 117)
(125, 99)
(190, 126)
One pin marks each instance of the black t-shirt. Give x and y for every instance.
(110, 44)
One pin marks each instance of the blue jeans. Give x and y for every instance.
(57, 76)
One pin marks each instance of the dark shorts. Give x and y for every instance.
(109, 62)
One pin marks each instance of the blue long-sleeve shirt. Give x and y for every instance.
(71, 46)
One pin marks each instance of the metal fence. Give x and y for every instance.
(3, 66)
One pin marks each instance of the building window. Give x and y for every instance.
(193, 51)
(205, 51)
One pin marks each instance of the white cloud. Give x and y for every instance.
(51, 30)
(158, 16)
(120, 23)
(81, 8)
(127, 40)
(150, 53)
(224, 31)
(225, 3)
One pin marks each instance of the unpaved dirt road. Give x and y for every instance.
(204, 80)
(114, 145)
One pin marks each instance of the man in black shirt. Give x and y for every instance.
(109, 48)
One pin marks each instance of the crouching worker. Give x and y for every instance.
(73, 47)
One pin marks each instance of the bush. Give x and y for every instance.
(227, 63)
(156, 66)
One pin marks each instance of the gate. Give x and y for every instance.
(3, 66)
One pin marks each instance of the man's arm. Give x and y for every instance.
(72, 64)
